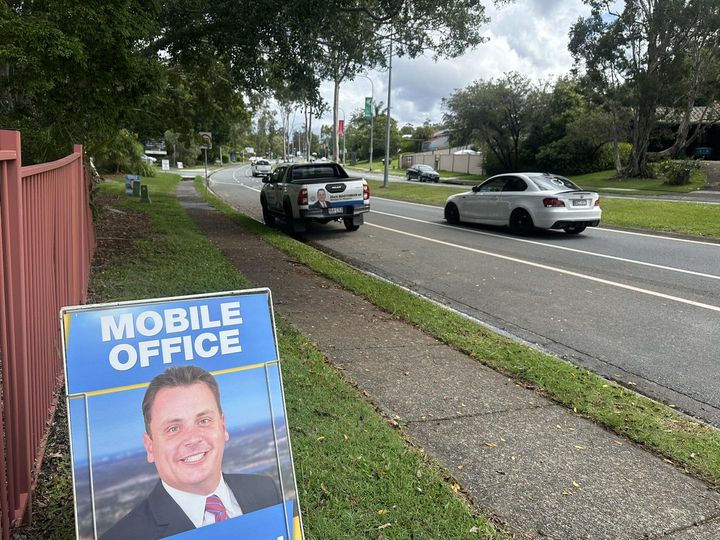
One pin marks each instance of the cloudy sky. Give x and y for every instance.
(528, 36)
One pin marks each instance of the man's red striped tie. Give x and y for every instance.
(214, 505)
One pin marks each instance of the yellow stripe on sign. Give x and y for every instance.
(66, 321)
(143, 385)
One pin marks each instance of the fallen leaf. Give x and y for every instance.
(576, 484)
(491, 445)
(567, 492)
(382, 512)
(384, 526)
(460, 467)
(579, 447)
(321, 438)
(455, 487)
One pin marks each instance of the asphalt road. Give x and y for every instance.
(641, 309)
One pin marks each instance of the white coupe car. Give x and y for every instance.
(523, 201)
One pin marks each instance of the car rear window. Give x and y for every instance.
(261, 162)
(313, 172)
(553, 182)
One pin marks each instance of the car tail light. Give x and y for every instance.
(302, 197)
(552, 202)
(366, 192)
(597, 201)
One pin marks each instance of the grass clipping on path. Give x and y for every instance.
(357, 477)
(681, 440)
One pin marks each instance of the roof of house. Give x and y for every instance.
(698, 115)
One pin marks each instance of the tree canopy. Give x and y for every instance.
(660, 52)
(73, 71)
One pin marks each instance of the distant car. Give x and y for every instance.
(261, 167)
(148, 159)
(422, 173)
(523, 201)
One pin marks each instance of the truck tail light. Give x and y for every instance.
(302, 197)
(552, 202)
(366, 192)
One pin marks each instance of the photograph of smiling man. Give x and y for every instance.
(185, 438)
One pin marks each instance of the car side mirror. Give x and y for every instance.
(476, 189)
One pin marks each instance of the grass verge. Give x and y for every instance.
(607, 181)
(356, 475)
(663, 216)
(680, 439)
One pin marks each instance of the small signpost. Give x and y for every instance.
(129, 180)
(207, 145)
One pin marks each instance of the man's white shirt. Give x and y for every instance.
(194, 505)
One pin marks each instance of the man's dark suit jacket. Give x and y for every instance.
(159, 515)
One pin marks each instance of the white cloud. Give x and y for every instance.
(528, 36)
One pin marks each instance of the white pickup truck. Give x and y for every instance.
(320, 192)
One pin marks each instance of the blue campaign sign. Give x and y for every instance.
(269, 521)
(111, 347)
(172, 402)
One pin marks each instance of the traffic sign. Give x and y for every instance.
(368, 107)
(207, 139)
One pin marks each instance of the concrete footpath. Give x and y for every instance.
(544, 471)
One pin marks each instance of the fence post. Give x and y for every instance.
(15, 369)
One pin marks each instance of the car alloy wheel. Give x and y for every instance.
(452, 214)
(521, 222)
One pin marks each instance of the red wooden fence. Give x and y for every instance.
(46, 244)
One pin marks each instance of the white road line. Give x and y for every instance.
(660, 237)
(564, 248)
(554, 269)
(603, 229)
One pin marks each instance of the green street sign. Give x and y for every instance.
(368, 107)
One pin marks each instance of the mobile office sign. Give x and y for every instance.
(121, 482)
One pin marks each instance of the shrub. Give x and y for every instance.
(123, 153)
(606, 158)
(676, 172)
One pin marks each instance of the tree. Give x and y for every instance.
(644, 44)
(569, 131)
(358, 133)
(496, 114)
(358, 37)
(70, 71)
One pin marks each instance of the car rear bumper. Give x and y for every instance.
(325, 213)
(557, 219)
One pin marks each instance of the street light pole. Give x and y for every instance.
(372, 117)
(387, 131)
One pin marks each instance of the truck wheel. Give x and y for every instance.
(289, 219)
(350, 224)
(268, 218)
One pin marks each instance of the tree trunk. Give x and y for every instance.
(643, 123)
(336, 106)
